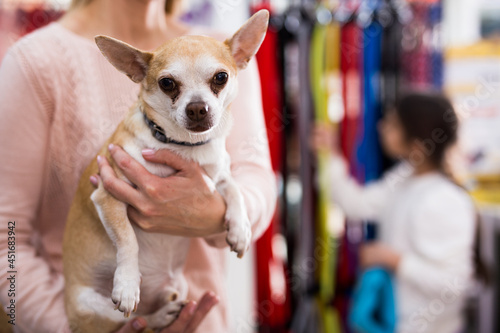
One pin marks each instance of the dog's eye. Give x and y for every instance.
(220, 78)
(167, 84)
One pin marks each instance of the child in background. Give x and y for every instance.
(427, 223)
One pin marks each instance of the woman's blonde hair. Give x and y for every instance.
(169, 4)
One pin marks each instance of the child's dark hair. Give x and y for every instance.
(431, 118)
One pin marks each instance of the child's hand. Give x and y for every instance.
(324, 138)
(378, 254)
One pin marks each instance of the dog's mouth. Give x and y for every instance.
(199, 127)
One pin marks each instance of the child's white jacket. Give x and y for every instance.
(430, 221)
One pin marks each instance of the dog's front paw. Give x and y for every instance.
(239, 234)
(126, 290)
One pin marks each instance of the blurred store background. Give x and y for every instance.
(344, 62)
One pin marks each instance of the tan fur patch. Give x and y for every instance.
(189, 48)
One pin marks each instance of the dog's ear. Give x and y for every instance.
(246, 42)
(124, 57)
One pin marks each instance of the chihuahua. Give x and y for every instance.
(110, 264)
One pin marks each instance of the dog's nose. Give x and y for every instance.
(197, 111)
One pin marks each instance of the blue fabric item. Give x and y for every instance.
(373, 308)
(369, 154)
(436, 55)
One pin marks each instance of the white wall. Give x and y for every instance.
(229, 15)
(461, 21)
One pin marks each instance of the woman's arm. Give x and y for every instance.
(248, 147)
(249, 150)
(442, 233)
(24, 125)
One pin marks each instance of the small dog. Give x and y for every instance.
(187, 86)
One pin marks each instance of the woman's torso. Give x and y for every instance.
(88, 98)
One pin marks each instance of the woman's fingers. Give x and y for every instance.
(118, 188)
(192, 315)
(133, 170)
(133, 326)
(168, 157)
(180, 324)
(94, 180)
(188, 321)
(207, 302)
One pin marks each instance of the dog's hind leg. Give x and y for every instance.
(127, 278)
(165, 315)
(92, 312)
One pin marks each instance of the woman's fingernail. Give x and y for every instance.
(99, 159)
(111, 146)
(94, 181)
(137, 324)
(191, 309)
(215, 300)
(148, 151)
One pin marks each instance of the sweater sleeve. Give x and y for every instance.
(24, 130)
(362, 202)
(442, 232)
(248, 147)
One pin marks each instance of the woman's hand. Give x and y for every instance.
(324, 138)
(378, 254)
(189, 319)
(184, 204)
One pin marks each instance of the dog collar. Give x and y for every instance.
(159, 134)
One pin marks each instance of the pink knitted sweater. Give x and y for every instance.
(59, 101)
